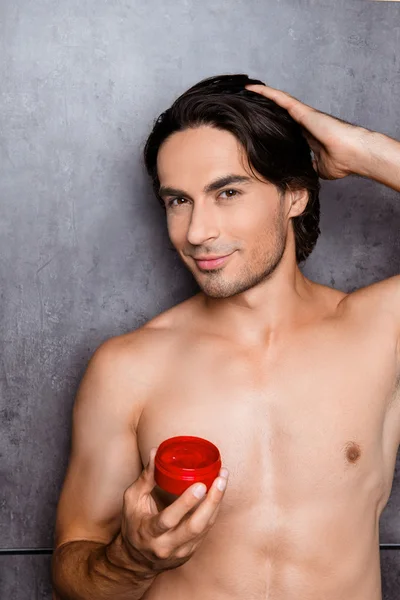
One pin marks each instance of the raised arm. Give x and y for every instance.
(382, 161)
(341, 148)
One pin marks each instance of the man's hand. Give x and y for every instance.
(166, 540)
(338, 146)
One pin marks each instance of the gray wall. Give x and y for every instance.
(83, 242)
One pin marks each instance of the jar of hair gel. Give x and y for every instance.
(184, 460)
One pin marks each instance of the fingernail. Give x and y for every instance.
(199, 490)
(224, 472)
(221, 484)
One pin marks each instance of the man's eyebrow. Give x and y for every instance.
(211, 187)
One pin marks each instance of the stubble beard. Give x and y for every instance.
(260, 267)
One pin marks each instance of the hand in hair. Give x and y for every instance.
(338, 145)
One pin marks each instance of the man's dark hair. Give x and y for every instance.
(273, 141)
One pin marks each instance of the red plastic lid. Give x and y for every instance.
(183, 460)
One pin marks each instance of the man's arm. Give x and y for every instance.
(90, 560)
(381, 160)
(379, 303)
(86, 570)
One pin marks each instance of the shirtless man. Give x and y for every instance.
(295, 382)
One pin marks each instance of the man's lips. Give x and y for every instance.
(211, 262)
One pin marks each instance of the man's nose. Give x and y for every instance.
(203, 225)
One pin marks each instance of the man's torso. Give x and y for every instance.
(308, 424)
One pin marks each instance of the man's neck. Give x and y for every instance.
(275, 305)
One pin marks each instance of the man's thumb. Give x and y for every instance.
(149, 470)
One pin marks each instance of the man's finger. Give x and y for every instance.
(298, 110)
(171, 516)
(279, 96)
(203, 516)
(147, 477)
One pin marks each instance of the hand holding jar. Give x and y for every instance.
(189, 468)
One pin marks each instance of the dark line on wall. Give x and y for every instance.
(30, 551)
(26, 551)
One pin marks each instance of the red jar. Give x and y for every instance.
(184, 460)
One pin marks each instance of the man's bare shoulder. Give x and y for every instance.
(375, 308)
(376, 305)
(381, 298)
(143, 347)
(130, 367)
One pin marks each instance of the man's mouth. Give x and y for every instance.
(207, 263)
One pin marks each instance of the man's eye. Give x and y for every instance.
(175, 201)
(230, 193)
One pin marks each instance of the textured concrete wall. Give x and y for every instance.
(83, 242)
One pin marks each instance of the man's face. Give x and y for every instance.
(243, 221)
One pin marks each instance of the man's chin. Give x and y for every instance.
(220, 289)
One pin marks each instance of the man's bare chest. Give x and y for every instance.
(293, 424)
(291, 433)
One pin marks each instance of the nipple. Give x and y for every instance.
(353, 452)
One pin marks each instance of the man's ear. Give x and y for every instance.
(297, 202)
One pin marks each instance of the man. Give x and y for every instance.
(295, 382)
